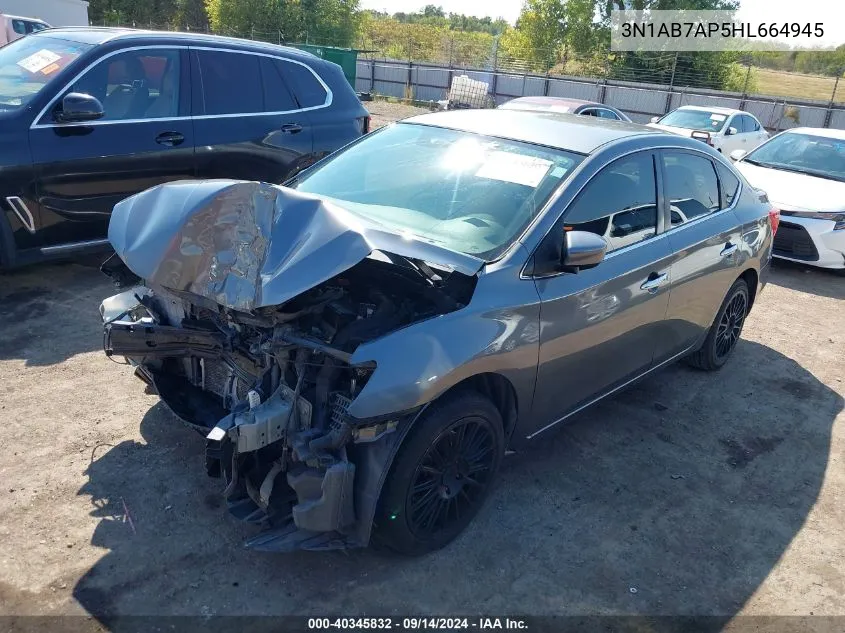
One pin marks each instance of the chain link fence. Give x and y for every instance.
(415, 53)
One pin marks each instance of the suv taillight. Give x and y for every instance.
(774, 220)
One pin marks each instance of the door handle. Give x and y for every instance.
(654, 281)
(729, 250)
(170, 139)
(291, 128)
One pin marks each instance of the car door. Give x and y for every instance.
(145, 138)
(756, 133)
(599, 327)
(704, 237)
(248, 123)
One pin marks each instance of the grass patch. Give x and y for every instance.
(779, 83)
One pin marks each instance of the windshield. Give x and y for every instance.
(695, 120)
(469, 193)
(29, 64)
(804, 153)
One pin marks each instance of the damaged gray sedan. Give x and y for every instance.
(361, 346)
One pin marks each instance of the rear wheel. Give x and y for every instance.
(441, 475)
(725, 331)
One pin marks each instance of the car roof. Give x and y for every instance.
(21, 17)
(713, 109)
(559, 130)
(839, 135)
(100, 35)
(552, 100)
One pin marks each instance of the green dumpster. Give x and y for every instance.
(346, 58)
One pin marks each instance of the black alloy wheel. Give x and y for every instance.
(730, 325)
(451, 477)
(441, 475)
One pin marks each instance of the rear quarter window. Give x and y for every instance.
(306, 88)
(730, 185)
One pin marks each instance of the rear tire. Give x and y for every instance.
(441, 476)
(725, 331)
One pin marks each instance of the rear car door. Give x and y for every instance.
(249, 124)
(145, 138)
(705, 238)
(599, 328)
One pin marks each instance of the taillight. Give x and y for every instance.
(774, 220)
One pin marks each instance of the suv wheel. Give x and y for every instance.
(441, 475)
(725, 331)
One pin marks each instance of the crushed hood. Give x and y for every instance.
(247, 245)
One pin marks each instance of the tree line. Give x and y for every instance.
(570, 37)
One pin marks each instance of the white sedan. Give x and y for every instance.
(803, 172)
(724, 129)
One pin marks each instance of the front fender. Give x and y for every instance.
(498, 332)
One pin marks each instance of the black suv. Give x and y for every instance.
(89, 116)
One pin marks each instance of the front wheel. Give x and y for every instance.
(725, 331)
(441, 475)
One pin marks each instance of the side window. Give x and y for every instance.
(735, 122)
(588, 112)
(18, 26)
(608, 114)
(37, 26)
(691, 184)
(730, 185)
(751, 124)
(141, 84)
(277, 95)
(309, 92)
(231, 82)
(619, 203)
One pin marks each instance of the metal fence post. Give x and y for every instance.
(668, 105)
(745, 88)
(829, 112)
(372, 75)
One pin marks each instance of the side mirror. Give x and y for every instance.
(738, 154)
(731, 131)
(78, 107)
(582, 249)
(655, 119)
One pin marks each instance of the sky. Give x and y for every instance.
(749, 10)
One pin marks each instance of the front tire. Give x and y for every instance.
(725, 331)
(441, 476)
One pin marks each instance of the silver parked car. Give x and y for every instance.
(560, 104)
(361, 346)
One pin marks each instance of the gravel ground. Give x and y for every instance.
(691, 493)
(384, 112)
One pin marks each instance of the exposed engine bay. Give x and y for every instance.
(270, 387)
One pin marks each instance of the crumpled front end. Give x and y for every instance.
(245, 322)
